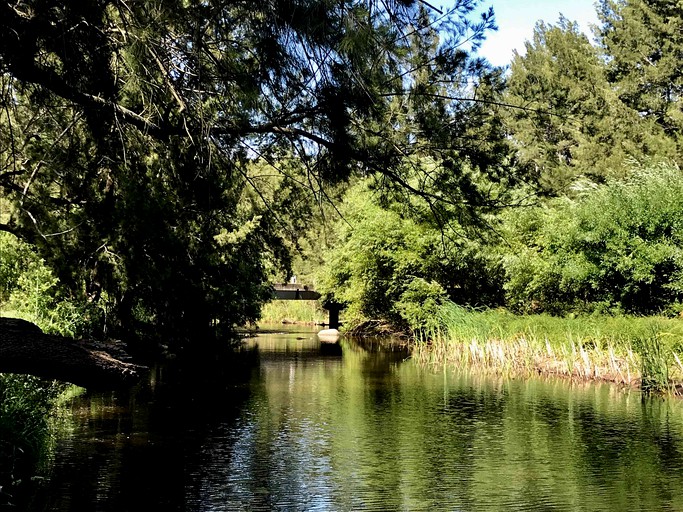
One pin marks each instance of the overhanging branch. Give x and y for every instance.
(8, 229)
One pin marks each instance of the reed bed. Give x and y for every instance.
(637, 352)
(293, 312)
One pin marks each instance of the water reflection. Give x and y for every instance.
(293, 424)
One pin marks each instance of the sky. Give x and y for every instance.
(516, 20)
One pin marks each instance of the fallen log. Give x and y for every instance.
(26, 349)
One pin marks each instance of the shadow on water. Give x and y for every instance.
(290, 423)
(130, 449)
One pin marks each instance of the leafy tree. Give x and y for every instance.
(30, 290)
(130, 132)
(388, 265)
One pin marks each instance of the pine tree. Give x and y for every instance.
(643, 43)
(569, 119)
(130, 132)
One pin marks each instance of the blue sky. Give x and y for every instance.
(516, 20)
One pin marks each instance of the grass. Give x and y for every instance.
(294, 312)
(635, 351)
(28, 422)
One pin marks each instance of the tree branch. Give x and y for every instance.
(24, 348)
(8, 229)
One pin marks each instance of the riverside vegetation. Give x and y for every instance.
(632, 351)
(564, 200)
(586, 287)
(439, 195)
(29, 420)
(293, 311)
(161, 164)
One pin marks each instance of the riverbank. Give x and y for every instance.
(638, 352)
(643, 352)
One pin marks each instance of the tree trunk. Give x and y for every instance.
(24, 348)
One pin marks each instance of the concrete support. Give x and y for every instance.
(334, 315)
(294, 291)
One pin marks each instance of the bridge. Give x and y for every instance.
(293, 291)
(296, 291)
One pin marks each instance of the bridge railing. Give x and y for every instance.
(293, 291)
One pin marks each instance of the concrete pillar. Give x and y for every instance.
(334, 315)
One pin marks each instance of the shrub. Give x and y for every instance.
(420, 304)
(30, 290)
(391, 267)
(27, 406)
(15, 258)
(616, 248)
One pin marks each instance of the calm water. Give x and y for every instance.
(296, 425)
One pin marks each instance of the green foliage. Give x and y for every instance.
(29, 290)
(15, 256)
(598, 330)
(625, 349)
(589, 110)
(293, 311)
(420, 303)
(616, 248)
(644, 41)
(161, 159)
(560, 82)
(25, 406)
(27, 428)
(379, 254)
(656, 359)
(388, 265)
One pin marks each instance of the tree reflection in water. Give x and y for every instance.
(295, 425)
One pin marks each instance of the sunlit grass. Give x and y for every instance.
(294, 311)
(644, 352)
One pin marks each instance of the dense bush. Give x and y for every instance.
(389, 266)
(15, 257)
(617, 248)
(25, 406)
(27, 425)
(29, 289)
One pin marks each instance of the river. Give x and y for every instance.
(295, 424)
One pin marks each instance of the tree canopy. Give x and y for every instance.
(644, 41)
(132, 134)
(575, 116)
(594, 124)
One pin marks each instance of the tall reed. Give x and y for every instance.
(27, 423)
(293, 311)
(633, 351)
(655, 361)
